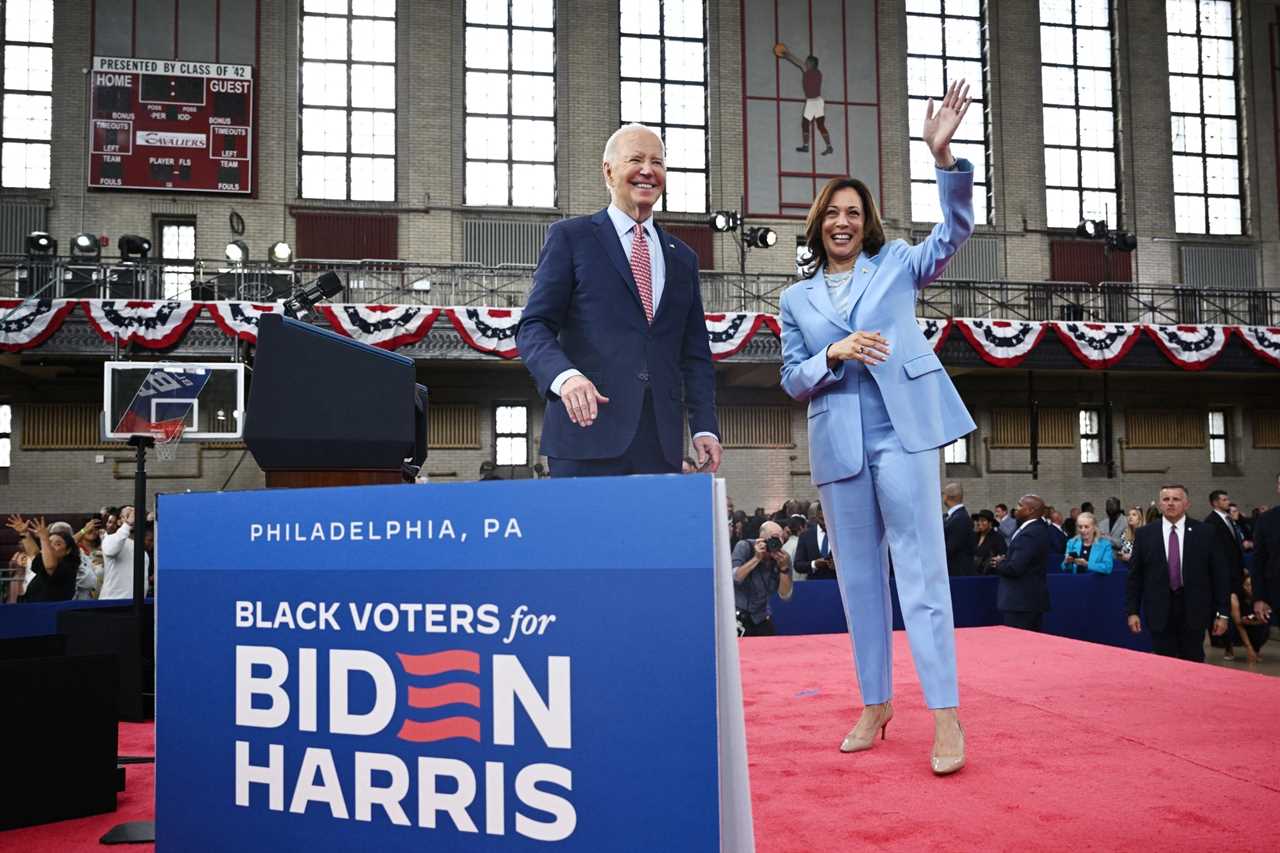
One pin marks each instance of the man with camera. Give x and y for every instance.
(760, 568)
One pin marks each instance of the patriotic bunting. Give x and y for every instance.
(29, 323)
(383, 326)
(1003, 343)
(729, 333)
(1190, 347)
(491, 330)
(1263, 341)
(154, 325)
(935, 331)
(1098, 345)
(240, 319)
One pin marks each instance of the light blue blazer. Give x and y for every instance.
(923, 405)
(1101, 556)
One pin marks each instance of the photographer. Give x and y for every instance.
(760, 568)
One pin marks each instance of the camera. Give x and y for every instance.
(773, 544)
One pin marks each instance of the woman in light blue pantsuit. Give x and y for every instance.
(880, 406)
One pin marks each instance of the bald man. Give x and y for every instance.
(1023, 594)
(760, 568)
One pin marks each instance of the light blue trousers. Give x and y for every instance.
(895, 500)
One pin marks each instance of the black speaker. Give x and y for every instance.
(60, 750)
(114, 631)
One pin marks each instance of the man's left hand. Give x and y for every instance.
(708, 449)
(1219, 627)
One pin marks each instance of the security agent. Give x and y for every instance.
(760, 568)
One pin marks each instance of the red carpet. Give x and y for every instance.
(1072, 746)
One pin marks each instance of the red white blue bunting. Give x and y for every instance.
(490, 330)
(1190, 347)
(1004, 343)
(154, 325)
(383, 326)
(1098, 345)
(935, 331)
(240, 319)
(1264, 341)
(28, 323)
(729, 333)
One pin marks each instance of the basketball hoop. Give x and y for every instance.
(166, 435)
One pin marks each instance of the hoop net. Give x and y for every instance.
(167, 435)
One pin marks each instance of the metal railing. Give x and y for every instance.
(506, 286)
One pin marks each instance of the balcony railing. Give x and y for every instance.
(396, 282)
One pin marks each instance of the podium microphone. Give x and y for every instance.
(326, 286)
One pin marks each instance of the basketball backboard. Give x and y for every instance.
(141, 397)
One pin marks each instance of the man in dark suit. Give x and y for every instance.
(1228, 538)
(1178, 579)
(1023, 594)
(958, 531)
(1266, 560)
(813, 552)
(614, 330)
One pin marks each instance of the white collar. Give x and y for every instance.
(954, 508)
(1167, 523)
(1224, 516)
(624, 224)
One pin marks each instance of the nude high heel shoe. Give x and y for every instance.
(851, 743)
(945, 765)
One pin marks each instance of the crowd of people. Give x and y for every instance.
(55, 562)
(772, 551)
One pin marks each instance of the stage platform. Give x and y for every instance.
(1073, 746)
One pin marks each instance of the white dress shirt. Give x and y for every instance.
(1181, 526)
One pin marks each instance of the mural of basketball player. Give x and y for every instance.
(815, 109)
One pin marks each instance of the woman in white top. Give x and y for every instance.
(117, 559)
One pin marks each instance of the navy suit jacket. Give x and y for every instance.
(807, 551)
(961, 542)
(1266, 557)
(1204, 577)
(584, 312)
(1229, 548)
(1023, 584)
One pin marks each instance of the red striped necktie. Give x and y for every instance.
(640, 268)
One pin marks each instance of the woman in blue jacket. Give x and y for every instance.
(880, 406)
(1087, 551)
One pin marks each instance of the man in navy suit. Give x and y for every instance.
(813, 551)
(615, 333)
(958, 531)
(1178, 579)
(1227, 535)
(1023, 594)
(1266, 560)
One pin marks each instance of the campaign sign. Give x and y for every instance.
(487, 666)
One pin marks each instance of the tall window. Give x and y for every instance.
(511, 103)
(26, 78)
(1090, 436)
(1203, 102)
(177, 238)
(6, 436)
(1079, 117)
(1217, 436)
(511, 435)
(348, 138)
(663, 63)
(957, 452)
(945, 43)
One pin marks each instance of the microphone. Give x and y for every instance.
(326, 286)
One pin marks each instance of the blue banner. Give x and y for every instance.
(485, 666)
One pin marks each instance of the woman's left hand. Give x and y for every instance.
(941, 124)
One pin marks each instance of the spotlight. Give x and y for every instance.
(40, 243)
(237, 251)
(1121, 241)
(280, 254)
(133, 248)
(85, 247)
(322, 288)
(1094, 229)
(725, 220)
(760, 237)
(804, 257)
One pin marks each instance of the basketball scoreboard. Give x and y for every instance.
(169, 125)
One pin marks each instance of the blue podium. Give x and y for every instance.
(489, 666)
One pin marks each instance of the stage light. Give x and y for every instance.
(85, 247)
(1121, 241)
(760, 237)
(323, 288)
(237, 251)
(39, 243)
(724, 220)
(280, 254)
(804, 256)
(1094, 229)
(133, 248)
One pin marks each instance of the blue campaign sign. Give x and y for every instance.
(486, 666)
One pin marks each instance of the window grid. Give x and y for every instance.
(644, 26)
(946, 41)
(26, 87)
(6, 436)
(346, 144)
(1078, 95)
(1217, 437)
(957, 452)
(1090, 436)
(177, 239)
(1204, 109)
(521, 170)
(511, 434)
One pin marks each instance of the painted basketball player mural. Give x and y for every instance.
(815, 109)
